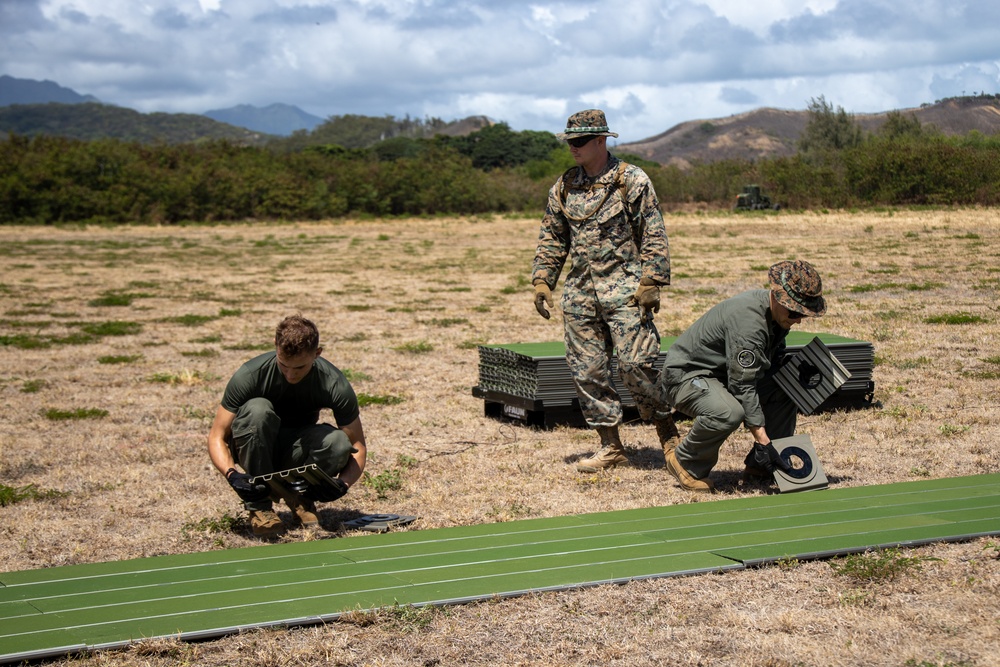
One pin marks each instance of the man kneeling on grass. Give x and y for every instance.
(268, 422)
(721, 372)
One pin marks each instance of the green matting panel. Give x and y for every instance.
(558, 348)
(532, 383)
(61, 610)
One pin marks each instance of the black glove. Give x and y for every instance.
(244, 488)
(327, 492)
(766, 457)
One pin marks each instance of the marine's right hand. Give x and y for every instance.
(543, 295)
(244, 488)
(766, 457)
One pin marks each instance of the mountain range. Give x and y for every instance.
(29, 91)
(275, 119)
(775, 132)
(756, 134)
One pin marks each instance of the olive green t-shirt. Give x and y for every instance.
(298, 404)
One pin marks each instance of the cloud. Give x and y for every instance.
(21, 15)
(170, 19)
(967, 80)
(297, 15)
(736, 95)
(650, 63)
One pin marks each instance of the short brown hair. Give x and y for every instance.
(295, 335)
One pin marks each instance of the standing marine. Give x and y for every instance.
(604, 218)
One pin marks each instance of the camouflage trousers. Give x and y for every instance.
(590, 343)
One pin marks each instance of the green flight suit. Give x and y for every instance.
(720, 372)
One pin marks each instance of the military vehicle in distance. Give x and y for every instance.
(752, 200)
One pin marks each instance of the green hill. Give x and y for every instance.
(102, 121)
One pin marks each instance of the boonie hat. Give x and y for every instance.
(797, 286)
(589, 122)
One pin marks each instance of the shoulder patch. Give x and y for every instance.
(746, 358)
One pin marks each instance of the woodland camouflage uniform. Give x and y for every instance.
(611, 230)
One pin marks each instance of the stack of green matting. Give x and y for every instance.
(531, 382)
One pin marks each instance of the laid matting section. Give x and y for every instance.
(61, 610)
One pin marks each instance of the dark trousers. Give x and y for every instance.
(262, 445)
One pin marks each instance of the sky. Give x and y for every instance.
(649, 64)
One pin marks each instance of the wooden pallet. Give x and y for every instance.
(62, 610)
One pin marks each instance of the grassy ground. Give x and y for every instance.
(116, 343)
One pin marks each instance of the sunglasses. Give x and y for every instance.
(580, 142)
(793, 315)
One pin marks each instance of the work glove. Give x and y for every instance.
(647, 297)
(543, 295)
(244, 488)
(766, 457)
(323, 493)
(327, 492)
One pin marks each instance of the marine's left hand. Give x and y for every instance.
(335, 489)
(647, 297)
(543, 296)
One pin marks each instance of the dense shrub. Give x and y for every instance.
(798, 182)
(936, 171)
(45, 180)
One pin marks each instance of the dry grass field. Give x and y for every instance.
(117, 343)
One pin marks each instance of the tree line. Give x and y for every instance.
(49, 180)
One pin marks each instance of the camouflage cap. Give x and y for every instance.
(798, 287)
(589, 122)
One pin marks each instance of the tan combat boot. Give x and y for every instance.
(303, 509)
(305, 512)
(611, 454)
(686, 479)
(666, 431)
(265, 523)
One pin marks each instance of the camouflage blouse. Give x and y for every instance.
(611, 229)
